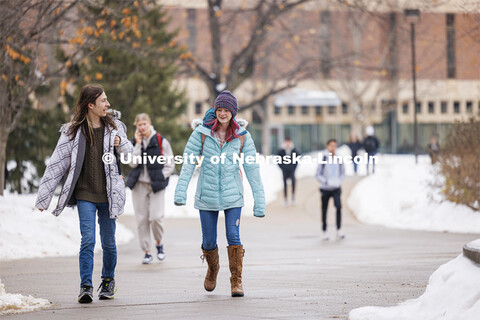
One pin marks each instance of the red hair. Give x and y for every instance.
(231, 129)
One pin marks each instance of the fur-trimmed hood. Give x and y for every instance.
(197, 122)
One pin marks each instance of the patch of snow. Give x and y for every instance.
(401, 195)
(452, 294)
(28, 233)
(17, 303)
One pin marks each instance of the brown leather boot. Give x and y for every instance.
(235, 258)
(213, 267)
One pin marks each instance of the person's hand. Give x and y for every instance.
(116, 142)
(41, 210)
(138, 137)
(179, 204)
(259, 213)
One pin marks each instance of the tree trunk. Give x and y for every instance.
(3, 156)
(266, 136)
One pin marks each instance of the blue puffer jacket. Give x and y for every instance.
(220, 186)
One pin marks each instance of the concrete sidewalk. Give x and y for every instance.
(289, 273)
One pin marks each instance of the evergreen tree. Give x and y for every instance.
(134, 57)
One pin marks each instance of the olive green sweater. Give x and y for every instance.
(91, 185)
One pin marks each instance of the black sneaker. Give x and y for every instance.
(107, 289)
(86, 294)
(160, 252)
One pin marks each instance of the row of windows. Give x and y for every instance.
(431, 106)
(319, 110)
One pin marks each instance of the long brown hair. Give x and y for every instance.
(88, 94)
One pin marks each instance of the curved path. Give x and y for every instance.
(289, 273)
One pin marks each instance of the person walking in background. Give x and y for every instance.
(330, 176)
(433, 149)
(354, 146)
(95, 186)
(220, 185)
(288, 170)
(148, 182)
(371, 145)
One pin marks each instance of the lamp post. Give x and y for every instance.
(412, 16)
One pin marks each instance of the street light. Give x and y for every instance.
(412, 16)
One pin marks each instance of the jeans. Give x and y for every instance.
(87, 212)
(326, 194)
(288, 175)
(209, 221)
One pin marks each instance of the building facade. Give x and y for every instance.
(365, 58)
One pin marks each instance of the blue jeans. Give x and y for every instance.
(209, 221)
(87, 212)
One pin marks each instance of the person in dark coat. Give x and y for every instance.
(371, 145)
(354, 146)
(288, 169)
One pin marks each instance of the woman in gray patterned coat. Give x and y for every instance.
(85, 153)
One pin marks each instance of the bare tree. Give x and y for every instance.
(25, 26)
(230, 70)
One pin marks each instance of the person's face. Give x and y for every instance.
(143, 126)
(223, 115)
(288, 144)
(100, 107)
(331, 147)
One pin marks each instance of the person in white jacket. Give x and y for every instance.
(148, 182)
(330, 176)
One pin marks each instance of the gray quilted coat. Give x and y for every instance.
(68, 158)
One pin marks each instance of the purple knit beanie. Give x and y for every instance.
(227, 100)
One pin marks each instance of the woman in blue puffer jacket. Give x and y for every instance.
(220, 185)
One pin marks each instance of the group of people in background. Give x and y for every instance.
(97, 187)
(330, 175)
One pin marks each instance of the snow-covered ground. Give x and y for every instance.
(452, 294)
(25, 232)
(400, 195)
(16, 303)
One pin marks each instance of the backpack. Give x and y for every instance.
(369, 144)
(160, 140)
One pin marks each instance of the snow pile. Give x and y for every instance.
(452, 294)
(16, 303)
(400, 195)
(28, 233)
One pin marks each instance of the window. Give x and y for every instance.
(431, 107)
(331, 109)
(419, 107)
(304, 109)
(405, 108)
(469, 107)
(198, 108)
(456, 107)
(451, 68)
(444, 106)
(372, 107)
(344, 108)
(318, 110)
(276, 109)
(291, 110)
